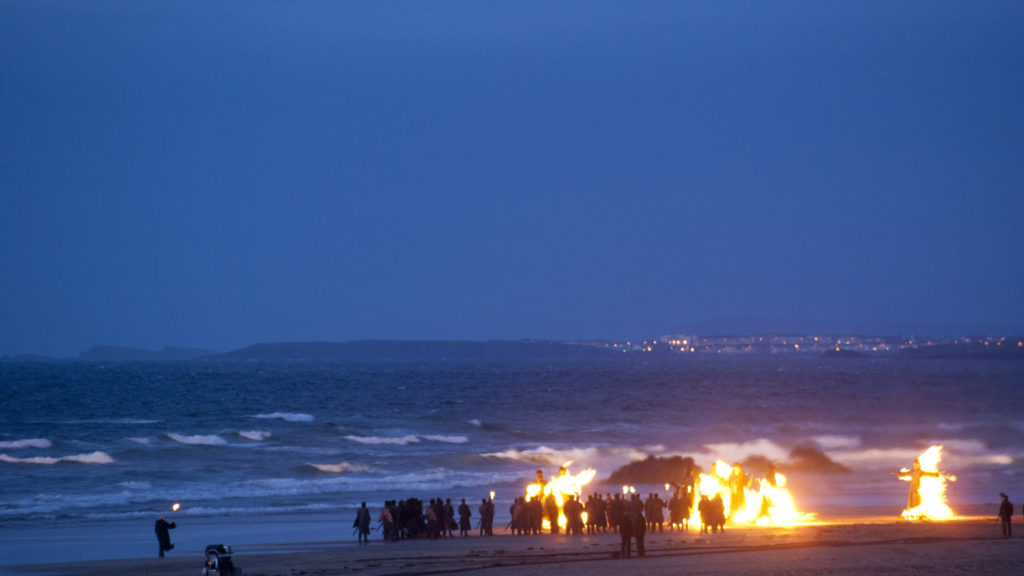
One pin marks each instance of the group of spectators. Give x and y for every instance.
(412, 519)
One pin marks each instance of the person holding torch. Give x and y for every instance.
(163, 535)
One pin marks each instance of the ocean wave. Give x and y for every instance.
(341, 467)
(141, 440)
(599, 457)
(254, 435)
(132, 485)
(91, 458)
(377, 440)
(121, 421)
(27, 443)
(736, 452)
(287, 417)
(476, 422)
(198, 439)
(446, 439)
(407, 439)
(423, 482)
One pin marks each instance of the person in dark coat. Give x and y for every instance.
(704, 509)
(626, 536)
(636, 515)
(465, 525)
(362, 524)
(1005, 513)
(163, 536)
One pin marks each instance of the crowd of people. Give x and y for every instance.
(628, 515)
(548, 510)
(412, 519)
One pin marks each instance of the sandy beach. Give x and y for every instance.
(857, 546)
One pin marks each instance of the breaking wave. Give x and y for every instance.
(600, 457)
(378, 440)
(407, 439)
(91, 458)
(198, 439)
(27, 443)
(446, 439)
(287, 417)
(341, 468)
(254, 435)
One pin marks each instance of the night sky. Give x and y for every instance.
(216, 174)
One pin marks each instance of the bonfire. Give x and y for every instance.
(559, 489)
(761, 501)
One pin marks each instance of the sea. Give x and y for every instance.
(92, 453)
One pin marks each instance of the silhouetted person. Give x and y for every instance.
(464, 515)
(163, 536)
(625, 536)
(1005, 513)
(704, 509)
(362, 524)
(635, 515)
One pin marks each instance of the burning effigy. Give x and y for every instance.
(927, 497)
(739, 498)
(554, 493)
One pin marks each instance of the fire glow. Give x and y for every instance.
(927, 500)
(560, 488)
(762, 501)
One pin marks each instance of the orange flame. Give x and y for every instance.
(764, 501)
(560, 487)
(927, 499)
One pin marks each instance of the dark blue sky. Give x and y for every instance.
(221, 173)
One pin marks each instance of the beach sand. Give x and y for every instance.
(862, 546)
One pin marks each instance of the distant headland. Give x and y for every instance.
(826, 347)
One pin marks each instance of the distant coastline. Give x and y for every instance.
(827, 347)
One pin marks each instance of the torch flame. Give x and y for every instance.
(175, 506)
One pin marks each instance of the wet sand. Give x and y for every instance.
(860, 546)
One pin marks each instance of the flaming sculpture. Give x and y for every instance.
(927, 500)
(764, 501)
(559, 488)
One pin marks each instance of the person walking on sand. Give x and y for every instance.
(163, 536)
(362, 524)
(1005, 513)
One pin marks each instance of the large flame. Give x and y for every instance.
(761, 501)
(927, 499)
(560, 488)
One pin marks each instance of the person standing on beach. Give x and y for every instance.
(1005, 513)
(635, 515)
(464, 518)
(163, 536)
(362, 524)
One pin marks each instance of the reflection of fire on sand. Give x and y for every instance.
(927, 497)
